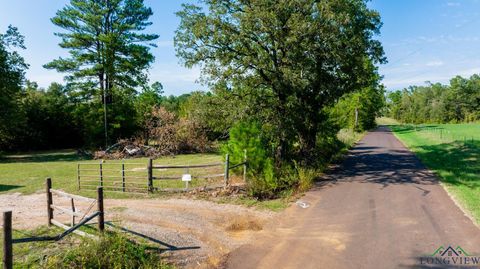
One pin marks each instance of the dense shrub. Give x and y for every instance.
(246, 138)
(48, 120)
(266, 180)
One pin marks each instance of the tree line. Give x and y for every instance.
(283, 77)
(456, 102)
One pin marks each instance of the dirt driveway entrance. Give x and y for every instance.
(195, 233)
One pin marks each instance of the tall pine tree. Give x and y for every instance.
(109, 49)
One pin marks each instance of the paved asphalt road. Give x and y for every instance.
(381, 209)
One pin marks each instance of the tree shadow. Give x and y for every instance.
(38, 158)
(409, 128)
(4, 187)
(165, 246)
(458, 162)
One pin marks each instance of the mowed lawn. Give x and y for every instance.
(453, 152)
(26, 173)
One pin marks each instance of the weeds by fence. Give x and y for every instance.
(8, 239)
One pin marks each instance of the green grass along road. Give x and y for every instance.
(452, 151)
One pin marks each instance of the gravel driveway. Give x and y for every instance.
(194, 233)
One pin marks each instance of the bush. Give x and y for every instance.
(306, 177)
(266, 179)
(110, 251)
(247, 137)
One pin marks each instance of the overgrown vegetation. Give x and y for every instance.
(113, 250)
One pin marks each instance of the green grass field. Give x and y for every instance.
(453, 152)
(26, 173)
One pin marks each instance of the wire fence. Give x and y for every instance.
(444, 135)
(154, 176)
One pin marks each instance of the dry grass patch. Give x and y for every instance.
(244, 224)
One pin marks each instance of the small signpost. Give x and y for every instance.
(186, 178)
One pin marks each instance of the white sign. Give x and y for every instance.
(187, 177)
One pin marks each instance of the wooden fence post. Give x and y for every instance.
(48, 186)
(150, 175)
(78, 176)
(101, 216)
(101, 173)
(72, 203)
(227, 168)
(123, 177)
(7, 240)
(244, 165)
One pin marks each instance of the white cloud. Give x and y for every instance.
(416, 76)
(434, 63)
(453, 4)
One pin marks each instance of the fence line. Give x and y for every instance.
(124, 180)
(443, 134)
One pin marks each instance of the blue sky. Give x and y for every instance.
(424, 40)
(429, 40)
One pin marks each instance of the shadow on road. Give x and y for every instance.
(370, 164)
(458, 163)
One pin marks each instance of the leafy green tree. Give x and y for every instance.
(393, 100)
(12, 71)
(299, 56)
(358, 110)
(49, 119)
(174, 103)
(216, 112)
(147, 99)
